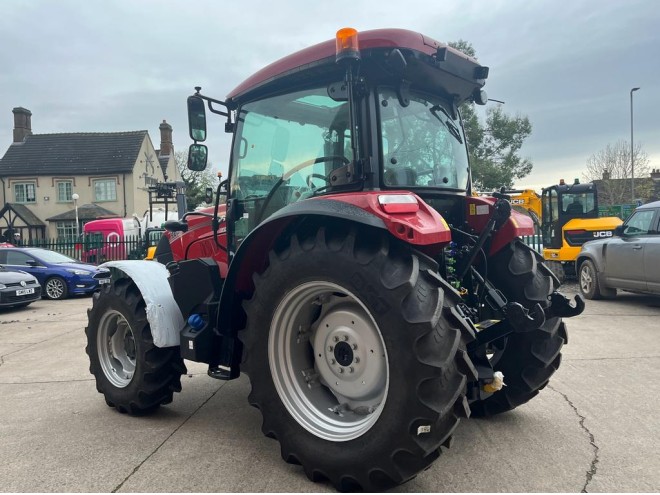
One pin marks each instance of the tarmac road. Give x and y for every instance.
(595, 428)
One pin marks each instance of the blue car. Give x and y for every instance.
(59, 275)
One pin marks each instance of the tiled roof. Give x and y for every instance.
(85, 212)
(24, 213)
(82, 153)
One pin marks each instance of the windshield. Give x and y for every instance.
(578, 203)
(51, 256)
(423, 146)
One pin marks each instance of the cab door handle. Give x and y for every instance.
(637, 246)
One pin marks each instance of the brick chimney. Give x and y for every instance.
(606, 175)
(22, 124)
(655, 174)
(165, 139)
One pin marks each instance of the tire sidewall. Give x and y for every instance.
(119, 305)
(396, 333)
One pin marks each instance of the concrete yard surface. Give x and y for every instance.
(594, 428)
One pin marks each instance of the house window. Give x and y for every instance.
(64, 191)
(66, 230)
(105, 190)
(25, 192)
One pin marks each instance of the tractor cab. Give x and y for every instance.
(374, 111)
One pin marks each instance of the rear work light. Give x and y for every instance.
(576, 232)
(398, 203)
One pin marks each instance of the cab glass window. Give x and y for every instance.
(423, 146)
(285, 150)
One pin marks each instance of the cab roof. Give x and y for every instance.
(324, 54)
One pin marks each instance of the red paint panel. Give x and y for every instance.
(423, 227)
(377, 38)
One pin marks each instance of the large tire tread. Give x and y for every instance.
(158, 370)
(531, 358)
(434, 370)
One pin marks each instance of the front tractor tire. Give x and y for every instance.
(356, 358)
(134, 375)
(527, 359)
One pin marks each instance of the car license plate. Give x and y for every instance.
(104, 281)
(23, 292)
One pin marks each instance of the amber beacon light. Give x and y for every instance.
(347, 44)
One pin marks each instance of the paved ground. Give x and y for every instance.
(595, 428)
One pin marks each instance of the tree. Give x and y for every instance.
(494, 145)
(196, 182)
(611, 167)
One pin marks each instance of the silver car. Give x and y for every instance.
(629, 260)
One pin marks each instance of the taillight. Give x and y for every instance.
(398, 203)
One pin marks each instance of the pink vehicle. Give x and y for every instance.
(110, 239)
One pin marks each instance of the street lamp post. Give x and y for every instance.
(75, 198)
(632, 149)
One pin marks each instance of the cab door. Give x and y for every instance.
(625, 254)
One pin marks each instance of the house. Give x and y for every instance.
(47, 180)
(618, 191)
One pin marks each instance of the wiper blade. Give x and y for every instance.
(448, 123)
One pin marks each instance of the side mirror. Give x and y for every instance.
(197, 156)
(208, 195)
(618, 230)
(196, 119)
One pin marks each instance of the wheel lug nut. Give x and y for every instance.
(354, 346)
(345, 337)
(351, 369)
(356, 360)
(335, 338)
(332, 361)
(330, 348)
(341, 370)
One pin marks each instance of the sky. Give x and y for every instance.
(92, 66)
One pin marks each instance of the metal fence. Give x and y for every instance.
(93, 250)
(534, 241)
(133, 247)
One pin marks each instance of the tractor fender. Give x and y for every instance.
(252, 255)
(163, 312)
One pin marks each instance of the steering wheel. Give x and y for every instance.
(293, 170)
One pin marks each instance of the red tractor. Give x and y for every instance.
(369, 297)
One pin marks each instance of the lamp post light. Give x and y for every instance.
(75, 198)
(632, 149)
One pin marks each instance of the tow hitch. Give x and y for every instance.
(561, 306)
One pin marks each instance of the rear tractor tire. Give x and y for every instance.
(528, 359)
(356, 358)
(134, 375)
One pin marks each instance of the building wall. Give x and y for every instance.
(47, 202)
(147, 171)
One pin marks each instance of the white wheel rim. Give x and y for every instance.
(328, 361)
